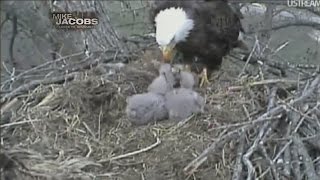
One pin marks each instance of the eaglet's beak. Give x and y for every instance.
(168, 52)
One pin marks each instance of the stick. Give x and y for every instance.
(264, 131)
(238, 165)
(245, 123)
(48, 63)
(295, 161)
(307, 161)
(33, 84)
(250, 55)
(18, 123)
(263, 82)
(9, 105)
(272, 166)
(259, 141)
(132, 153)
(287, 156)
(194, 164)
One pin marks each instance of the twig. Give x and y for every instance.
(286, 25)
(282, 150)
(9, 105)
(106, 175)
(283, 45)
(295, 123)
(7, 17)
(272, 166)
(307, 161)
(303, 118)
(132, 153)
(287, 156)
(314, 85)
(259, 141)
(181, 123)
(33, 84)
(48, 63)
(295, 161)
(194, 164)
(12, 39)
(8, 71)
(89, 147)
(88, 128)
(263, 174)
(245, 123)
(249, 57)
(263, 82)
(264, 131)
(238, 165)
(272, 98)
(99, 123)
(19, 123)
(247, 113)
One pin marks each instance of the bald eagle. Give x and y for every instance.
(205, 30)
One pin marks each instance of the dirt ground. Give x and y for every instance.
(78, 129)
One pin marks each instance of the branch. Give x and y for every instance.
(132, 153)
(238, 165)
(13, 37)
(287, 24)
(262, 82)
(307, 161)
(194, 164)
(25, 87)
(271, 163)
(295, 162)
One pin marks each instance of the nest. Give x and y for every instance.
(253, 127)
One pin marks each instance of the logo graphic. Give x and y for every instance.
(74, 20)
(303, 3)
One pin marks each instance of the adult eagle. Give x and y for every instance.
(205, 30)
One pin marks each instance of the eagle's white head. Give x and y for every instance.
(172, 26)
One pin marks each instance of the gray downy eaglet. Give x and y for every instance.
(184, 78)
(146, 108)
(164, 82)
(182, 102)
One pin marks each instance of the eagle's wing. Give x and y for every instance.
(221, 21)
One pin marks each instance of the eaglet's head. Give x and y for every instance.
(172, 26)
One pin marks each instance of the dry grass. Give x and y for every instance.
(78, 130)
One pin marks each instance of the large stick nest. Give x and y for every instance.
(254, 126)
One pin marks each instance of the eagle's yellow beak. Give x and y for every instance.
(168, 52)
